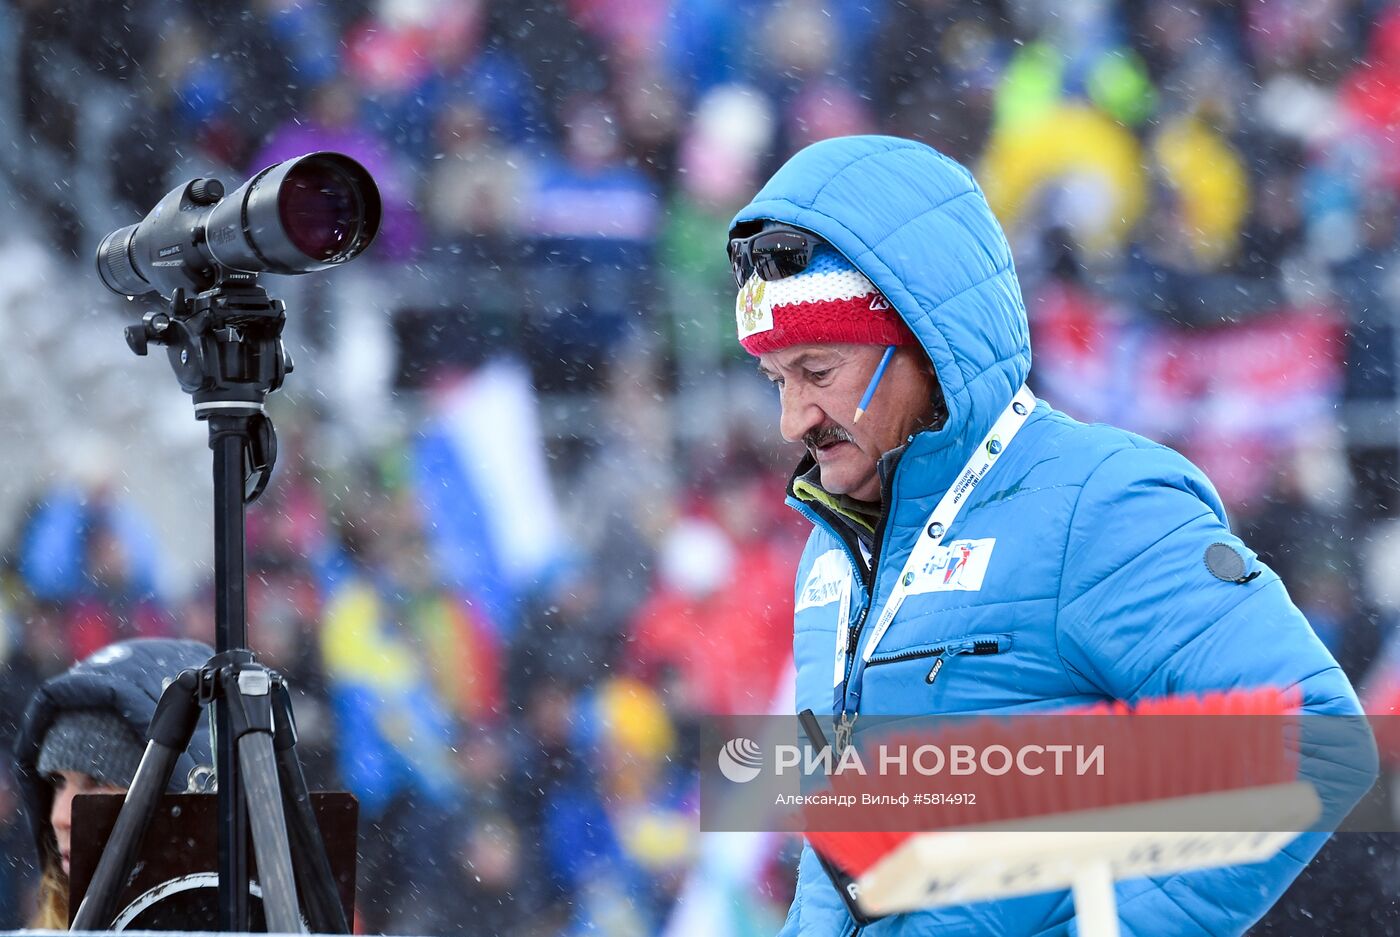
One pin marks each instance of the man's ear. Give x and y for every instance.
(938, 411)
(925, 365)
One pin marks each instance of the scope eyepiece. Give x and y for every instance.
(114, 264)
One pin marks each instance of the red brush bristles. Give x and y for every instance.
(1143, 760)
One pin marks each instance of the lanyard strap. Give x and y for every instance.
(959, 493)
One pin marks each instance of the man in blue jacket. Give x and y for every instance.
(974, 550)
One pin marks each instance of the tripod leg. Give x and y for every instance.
(309, 857)
(269, 829)
(247, 688)
(176, 715)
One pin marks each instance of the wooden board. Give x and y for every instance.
(183, 842)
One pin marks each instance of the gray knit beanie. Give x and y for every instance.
(95, 742)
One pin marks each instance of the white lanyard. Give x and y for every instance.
(983, 457)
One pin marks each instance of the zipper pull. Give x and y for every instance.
(844, 728)
(976, 648)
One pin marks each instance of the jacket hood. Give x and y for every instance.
(126, 678)
(918, 226)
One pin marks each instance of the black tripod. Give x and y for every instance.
(226, 348)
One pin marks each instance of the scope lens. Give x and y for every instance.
(321, 209)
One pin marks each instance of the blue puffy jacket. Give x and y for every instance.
(1095, 585)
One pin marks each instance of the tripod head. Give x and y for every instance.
(225, 346)
(310, 213)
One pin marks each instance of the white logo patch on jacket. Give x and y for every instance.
(959, 566)
(828, 577)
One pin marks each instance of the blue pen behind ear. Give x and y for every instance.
(874, 383)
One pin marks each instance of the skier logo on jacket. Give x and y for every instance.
(957, 562)
(959, 566)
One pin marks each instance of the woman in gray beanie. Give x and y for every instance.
(84, 732)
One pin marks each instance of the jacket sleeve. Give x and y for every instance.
(794, 916)
(1141, 615)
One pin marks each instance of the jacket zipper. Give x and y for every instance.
(975, 646)
(846, 722)
(846, 725)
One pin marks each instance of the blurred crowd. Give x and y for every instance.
(1201, 195)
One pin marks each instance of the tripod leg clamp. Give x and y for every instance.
(248, 693)
(177, 713)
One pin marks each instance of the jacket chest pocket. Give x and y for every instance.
(913, 671)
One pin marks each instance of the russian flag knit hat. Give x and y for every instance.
(829, 301)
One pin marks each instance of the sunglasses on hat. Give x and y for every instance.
(775, 252)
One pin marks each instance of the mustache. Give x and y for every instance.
(825, 435)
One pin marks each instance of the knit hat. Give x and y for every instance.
(829, 301)
(95, 742)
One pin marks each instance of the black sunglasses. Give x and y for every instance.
(774, 253)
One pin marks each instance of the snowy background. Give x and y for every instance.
(530, 380)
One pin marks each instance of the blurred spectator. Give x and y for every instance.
(720, 158)
(1207, 179)
(1067, 166)
(306, 37)
(1369, 291)
(591, 222)
(477, 187)
(617, 527)
(561, 58)
(394, 733)
(918, 86)
(92, 562)
(726, 646)
(486, 893)
(618, 832)
(15, 874)
(650, 115)
(83, 733)
(202, 88)
(825, 109)
(1273, 237)
(1371, 91)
